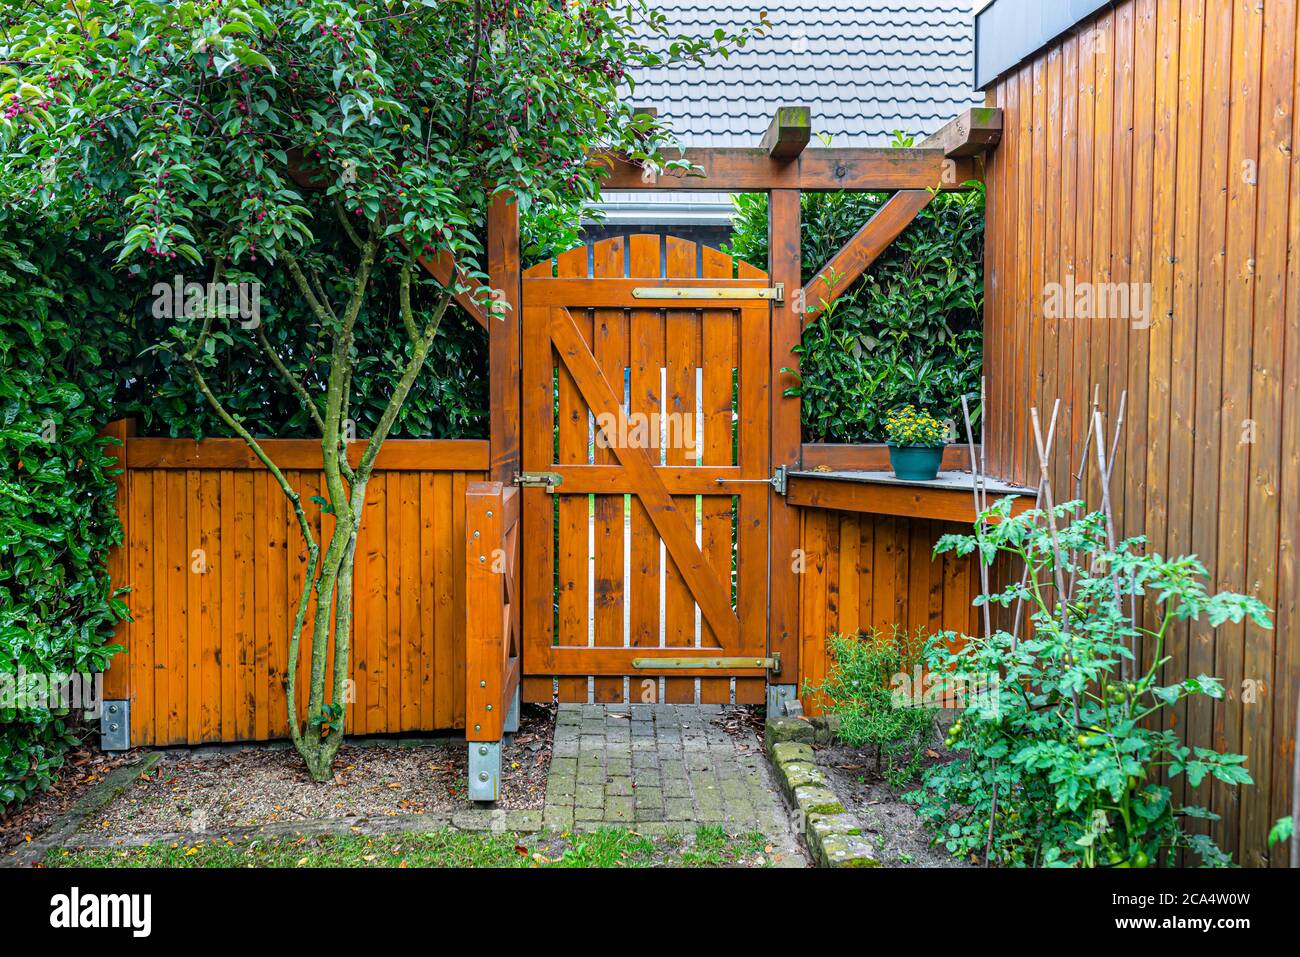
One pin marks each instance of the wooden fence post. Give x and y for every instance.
(115, 727)
(784, 263)
(491, 630)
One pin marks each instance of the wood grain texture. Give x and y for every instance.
(214, 560)
(1170, 163)
(863, 573)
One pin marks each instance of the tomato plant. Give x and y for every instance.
(1067, 761)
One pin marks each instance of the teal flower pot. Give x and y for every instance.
(916, 463)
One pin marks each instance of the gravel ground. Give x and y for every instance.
(203, 788)
(886, 820)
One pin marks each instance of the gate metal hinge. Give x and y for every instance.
(774, 292)
(547, 480)
(771, 663)
(777, 481)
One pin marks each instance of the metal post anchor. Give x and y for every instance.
(484, 770)
(511, 724)
(115, 725)
(783, 700)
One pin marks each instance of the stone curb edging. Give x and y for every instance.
(100, 795)
(832, 834)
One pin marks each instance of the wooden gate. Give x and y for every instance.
(646, 455)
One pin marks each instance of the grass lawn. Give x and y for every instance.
(707, 847)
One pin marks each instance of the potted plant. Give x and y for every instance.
(916, 440)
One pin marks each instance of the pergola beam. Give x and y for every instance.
(862, 250)
(788, 133)
(742, 170)
(968, 134)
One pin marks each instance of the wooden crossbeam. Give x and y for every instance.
(788, 133)
(744, 169)
(968, 134)
(862, 250)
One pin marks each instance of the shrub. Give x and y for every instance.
(1062, 761)
(60, 338)
(907, 331)
(860, 691)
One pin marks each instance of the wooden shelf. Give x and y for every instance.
(948, 498)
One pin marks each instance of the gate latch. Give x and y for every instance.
(777, 481)
(546, 480)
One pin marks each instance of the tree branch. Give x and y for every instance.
(294, 382)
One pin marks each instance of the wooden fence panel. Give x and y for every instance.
(876, 571)
(215, 561)
(1178, 170)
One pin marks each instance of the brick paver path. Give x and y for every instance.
(657, 768)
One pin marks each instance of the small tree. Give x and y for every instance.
(189, 131)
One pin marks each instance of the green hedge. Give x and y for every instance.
(60, 343)
(907, 331)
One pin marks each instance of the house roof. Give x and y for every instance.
(865, 68)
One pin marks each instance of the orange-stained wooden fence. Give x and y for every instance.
(1158, 143)
(877, 571)
(214, 560)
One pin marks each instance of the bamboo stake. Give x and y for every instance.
(1104, 469)
(1038, 500)
(980, 491)
(1057, 572)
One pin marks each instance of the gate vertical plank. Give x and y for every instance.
(538, 575)
(647, 359)
(784, 266)
(610, 332)
(718, 347)
(573, 555)
(682, 353)
(755, 579)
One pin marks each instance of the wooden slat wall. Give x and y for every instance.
(877, 571)
(215, 561)
(1155, 144)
